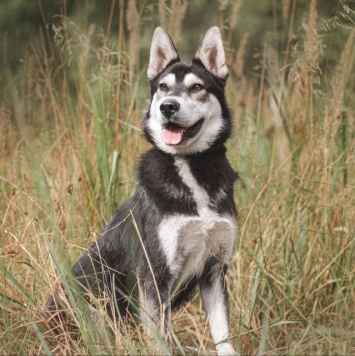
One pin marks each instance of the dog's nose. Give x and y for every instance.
(169, 107)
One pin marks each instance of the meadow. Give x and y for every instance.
(70, 141)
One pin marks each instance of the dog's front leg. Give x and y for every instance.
(215, 299)
(155, 310)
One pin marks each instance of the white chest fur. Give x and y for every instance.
(188, 241)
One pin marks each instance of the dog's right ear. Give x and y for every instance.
(162, 52)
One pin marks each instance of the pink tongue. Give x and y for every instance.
(172, 136)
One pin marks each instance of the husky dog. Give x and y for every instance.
(177, 231)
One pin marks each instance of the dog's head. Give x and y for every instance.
(188, 112)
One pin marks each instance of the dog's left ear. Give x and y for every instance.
(162, 52)
(211, 53)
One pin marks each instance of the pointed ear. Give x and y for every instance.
(211, 53)
(162, 52)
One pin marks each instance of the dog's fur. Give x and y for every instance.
(177, 231)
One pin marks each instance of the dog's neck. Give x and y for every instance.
(214, 151)
(161, 177)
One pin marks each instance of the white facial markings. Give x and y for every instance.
(212, 126)
(169, 80)
(191, 79)
(191, 110)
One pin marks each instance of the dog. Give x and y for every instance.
(177, 231)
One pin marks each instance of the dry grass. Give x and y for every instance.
(70, 140)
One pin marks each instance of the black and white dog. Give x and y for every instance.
(177, 231)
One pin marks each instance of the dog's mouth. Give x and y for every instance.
(174, 134)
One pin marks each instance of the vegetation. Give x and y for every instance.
(70, 141)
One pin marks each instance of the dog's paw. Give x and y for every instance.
(225, 349)
(192, 350)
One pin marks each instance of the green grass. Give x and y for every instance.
(70, 142)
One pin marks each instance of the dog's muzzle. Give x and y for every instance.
(172, 132)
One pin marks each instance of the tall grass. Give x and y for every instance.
(70, 141)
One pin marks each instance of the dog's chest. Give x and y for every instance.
(189, 241)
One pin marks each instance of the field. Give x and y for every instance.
(70, 141)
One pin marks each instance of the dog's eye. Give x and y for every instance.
(163, 87)
(196, 87)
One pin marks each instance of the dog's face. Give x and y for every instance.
(188, 113)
